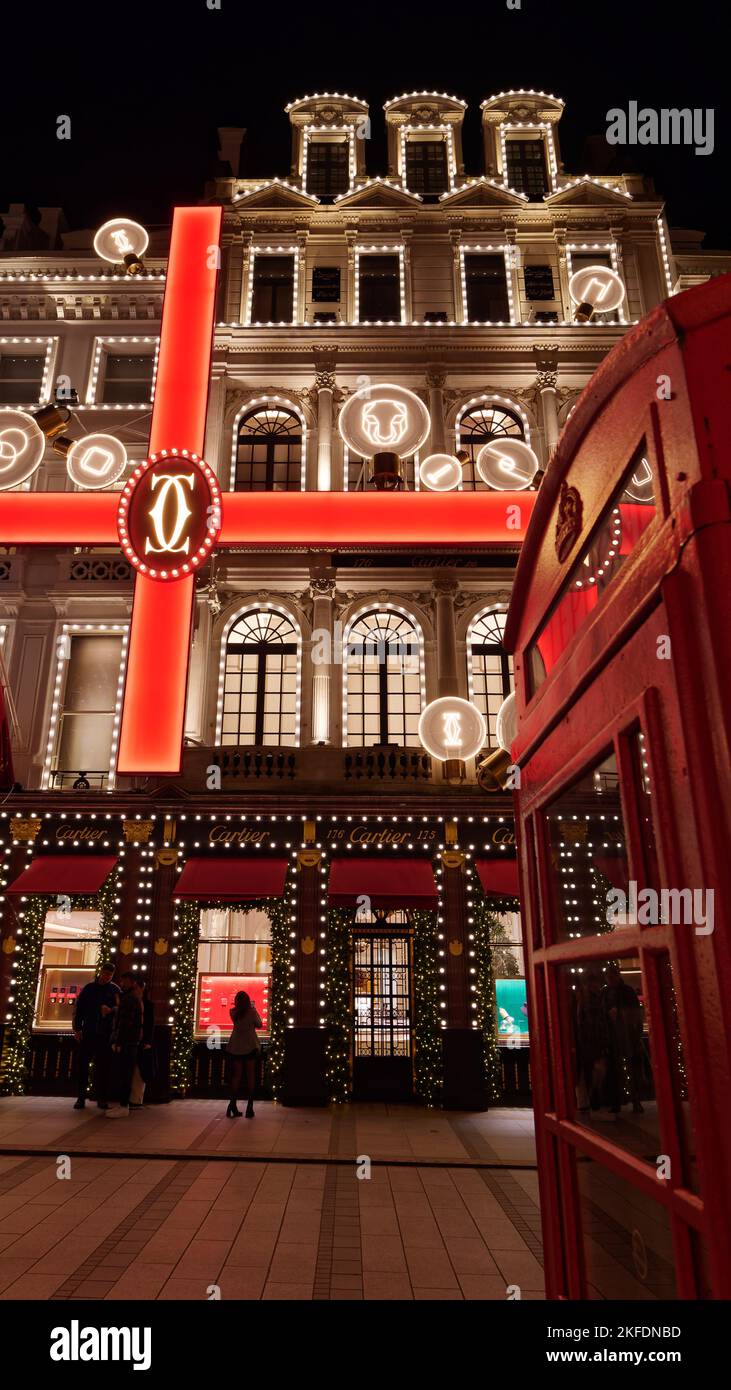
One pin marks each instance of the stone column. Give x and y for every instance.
(322, 592)
(547, 364)
(300, 282)
(351, 237)
(325, 386)
(435, 379)
(445, 592)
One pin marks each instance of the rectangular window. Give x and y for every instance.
(68, 962)
(326, 284)
(86, 720)
(127, 377)
(234, 953)
(619, 530)
(538, 282)
(380, 288)
(426, 167)
(327, 167)
(273, 293)
(526, 167)
(487, 289)
(21, 379)
(382, 996)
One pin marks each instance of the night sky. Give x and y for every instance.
(146, 85)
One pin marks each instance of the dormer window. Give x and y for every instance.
(327, 167)
(526, 169)
(427, 169)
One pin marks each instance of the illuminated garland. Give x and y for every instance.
(16, 1052)
(427, 1032)
(186, 974)
(485, 922)
(337, 1002)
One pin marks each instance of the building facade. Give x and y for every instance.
(310, 850)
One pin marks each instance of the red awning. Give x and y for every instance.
(387, 882)
(233, 880)
(64, 873)
(499, 877)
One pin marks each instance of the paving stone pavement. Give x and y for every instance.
(454, 1222)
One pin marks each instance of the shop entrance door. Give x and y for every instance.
(382, 1017)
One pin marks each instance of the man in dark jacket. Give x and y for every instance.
(126, 1036)
(92, 1029)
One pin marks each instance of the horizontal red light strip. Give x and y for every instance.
(58, 518)
(393, 519)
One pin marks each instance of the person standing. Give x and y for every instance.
(126, 1036)
(243, 1050)
(92, 1027)
(143, 1070)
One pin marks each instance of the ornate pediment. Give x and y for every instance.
(275, 194)
(378, 193)
(482, 193)
(587, 192)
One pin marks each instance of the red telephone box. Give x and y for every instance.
(619, 625)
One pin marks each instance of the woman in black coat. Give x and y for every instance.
(145, 1065)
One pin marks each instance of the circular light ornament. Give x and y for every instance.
(169, 514)
(120, 237)
(96, 461)
(22, 445)
(441, 472)
(381, 418)
(509, 465)
(640, 487)
(452, 728)
(506, 722)
(595, 288)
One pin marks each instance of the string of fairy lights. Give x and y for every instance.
(136, 856)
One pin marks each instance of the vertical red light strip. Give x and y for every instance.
(151, 735)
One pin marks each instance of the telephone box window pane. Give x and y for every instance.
(614, 538)
(611, 1080)
(628, 1244)
(678, 1073)
(588, 861)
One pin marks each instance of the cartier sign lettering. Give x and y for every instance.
(505, 835)
(223, 835)
(79, 832)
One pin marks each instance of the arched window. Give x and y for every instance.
(268, 451)
(260, 695)
(383, 680)
(491, 668)
(479, 426)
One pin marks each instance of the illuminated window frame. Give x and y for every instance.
(51, 345)
(507, 250)
(380, 251)
(86, 630)
(542, 128)
(439, 129)
(613, 249)
(281, 402)
(297, 254)
(491, 741)
(664, 252)
(101, 348)
(488, 398)
(345, 132)
(376, 607)
(251, 607)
